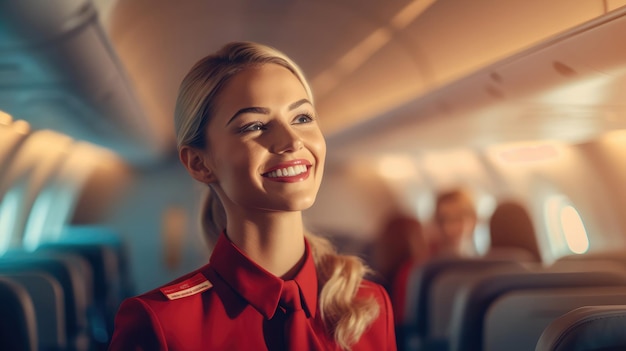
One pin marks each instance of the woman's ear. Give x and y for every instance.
(194, 160)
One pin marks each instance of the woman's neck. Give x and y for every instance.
(273, 240)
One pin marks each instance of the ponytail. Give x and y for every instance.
(339, 277)
(212, 217)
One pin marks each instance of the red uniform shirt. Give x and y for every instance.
(232, 304)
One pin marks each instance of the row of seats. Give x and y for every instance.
(493, 304)
(64, 294)
(586, 328)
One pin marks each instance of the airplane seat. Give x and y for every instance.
(511, 253)
(97, 234)
(467, 329)
(443, 294)
(18, 328)
(75, 276)
(515, 321)
(105, 285)
(511, 231)
(414, 329)
(587, 265)
(585, 329)
(106, 254)
(47, 296)
(618, 256)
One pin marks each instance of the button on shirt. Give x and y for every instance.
(234, 304)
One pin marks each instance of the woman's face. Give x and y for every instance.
(265, 147)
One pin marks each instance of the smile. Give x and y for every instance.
(287, 171)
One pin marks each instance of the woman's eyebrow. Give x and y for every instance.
(260, 110)
(299, 103)
(266, 111)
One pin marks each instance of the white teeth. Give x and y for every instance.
(287, 172)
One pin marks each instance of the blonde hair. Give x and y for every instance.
(340, 276)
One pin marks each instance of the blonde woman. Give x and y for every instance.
(247, 127)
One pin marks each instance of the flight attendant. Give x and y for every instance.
(247, 127)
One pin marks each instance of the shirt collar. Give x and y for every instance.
(258, 287)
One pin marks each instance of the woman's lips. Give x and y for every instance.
(289, 172)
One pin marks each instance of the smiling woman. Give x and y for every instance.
(247, 127)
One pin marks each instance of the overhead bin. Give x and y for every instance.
(573, 76)
(58, 71)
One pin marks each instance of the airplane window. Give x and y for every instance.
(574, 230)
(566, 230)
(9, 208)
(49, 202)
(485, 205)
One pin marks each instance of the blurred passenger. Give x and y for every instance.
(455, 221)
(247, 128)
(512, 233)
(400, 246)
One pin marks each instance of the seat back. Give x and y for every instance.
(516, 320)
(74, 275)
(585, 329)
(104, 264)
(18, 328)
(444, 291)
(106, 254)
(47, 296)
(467, 321)
(421, 279)
(618, 256)
(415, 329)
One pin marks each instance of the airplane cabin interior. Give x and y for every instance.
(515, 107)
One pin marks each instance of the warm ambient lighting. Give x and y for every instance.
(615, 138)
(530, 153)
(21, 126)
(367, 47)
(574, 230)
(5, 118)
(566, 230)
(396, 167)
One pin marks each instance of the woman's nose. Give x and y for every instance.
(286, 140)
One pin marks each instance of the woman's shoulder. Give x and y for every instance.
(147, 321)
(381, 333)
(369, 288)
(190, 284)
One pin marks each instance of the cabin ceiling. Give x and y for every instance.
(366, 59)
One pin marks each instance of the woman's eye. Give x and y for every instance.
(252, 127)
(304, 118)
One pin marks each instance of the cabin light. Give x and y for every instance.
(396, 167)
(617, 137)
(21, 126)
(530, 153)
(574, 230)
(589, 91)
(5, 118)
